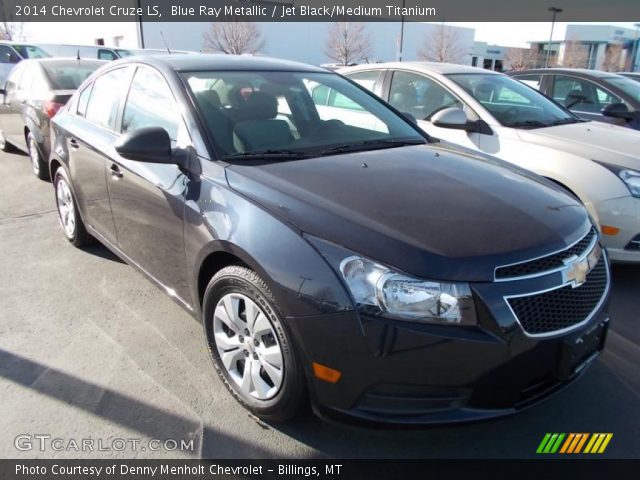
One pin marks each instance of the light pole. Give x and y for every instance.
(555, 11)
(401, 33)
(634, 50)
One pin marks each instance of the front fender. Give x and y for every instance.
(218, 219)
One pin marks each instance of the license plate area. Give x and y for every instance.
(579, 350)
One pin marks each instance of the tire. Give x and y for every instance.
(68, 214)
(249, 369)
(38, 165)
(4, 145)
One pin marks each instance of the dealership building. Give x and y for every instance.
(597, 44)
(599, 47)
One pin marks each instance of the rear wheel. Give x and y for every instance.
(68, 214)
(37, 162)
(249, 345)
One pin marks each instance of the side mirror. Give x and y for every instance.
(617, 110)
(3, 91)
(149, 144)
(451, 118)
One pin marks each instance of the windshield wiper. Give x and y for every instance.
(370, 145)
(271, 153)
(564, 121)
(527, 124)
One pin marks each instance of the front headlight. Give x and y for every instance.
(381, 291)
(631, 178)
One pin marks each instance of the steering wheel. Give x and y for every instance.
(512, 113)
(326, 126)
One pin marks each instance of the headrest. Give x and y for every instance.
(210, 97)
(260, 106)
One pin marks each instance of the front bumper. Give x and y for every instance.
(622, 213)
(407, 373)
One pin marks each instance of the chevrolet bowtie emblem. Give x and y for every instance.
(577, 268)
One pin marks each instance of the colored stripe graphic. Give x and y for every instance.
(543, 443)
(573, 443)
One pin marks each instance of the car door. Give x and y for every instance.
(15, 103)
(147, 199)
(9, 58)
(90, 143)
(584, 98)
(8, 117)
(422, 97)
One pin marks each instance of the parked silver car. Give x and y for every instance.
(495, 114)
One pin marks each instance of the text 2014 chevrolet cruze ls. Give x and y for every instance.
(387, 276)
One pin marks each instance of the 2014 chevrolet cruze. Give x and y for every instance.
(387, 276)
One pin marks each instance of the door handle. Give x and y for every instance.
(73, 143)
(115, 171)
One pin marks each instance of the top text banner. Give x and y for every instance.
(316, 10)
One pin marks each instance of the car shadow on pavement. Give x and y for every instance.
(101, 251)
(123, 410)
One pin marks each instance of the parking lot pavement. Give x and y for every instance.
(89, 349)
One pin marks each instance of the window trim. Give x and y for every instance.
(120, 103)
(123, 105)
(392, 72)
(584, 79)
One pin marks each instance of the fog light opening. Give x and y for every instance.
(325, 373)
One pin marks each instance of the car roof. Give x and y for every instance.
(442, 68)
(580, 71)
(199, 62)
(64, 60)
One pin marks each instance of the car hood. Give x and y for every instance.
(430, 211)
(598, 141)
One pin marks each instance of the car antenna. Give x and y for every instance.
(78, 55)
(165, 42)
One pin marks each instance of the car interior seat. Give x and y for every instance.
(217, 122)
(484, 91)
(259, 128)
(405, 98)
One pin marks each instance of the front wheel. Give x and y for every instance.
(37, 163)
(68, 214)
(250, 347)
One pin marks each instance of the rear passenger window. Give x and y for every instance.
(533, 80)
(105, 98)
(150, 104)
(83, 100)
(367, 79)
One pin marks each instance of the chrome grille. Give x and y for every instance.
(550, 262)
(562, 308)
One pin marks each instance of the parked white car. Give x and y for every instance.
(497, 115)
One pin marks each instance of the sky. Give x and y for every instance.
(512, 34)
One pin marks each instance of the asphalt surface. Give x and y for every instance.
(89, 349)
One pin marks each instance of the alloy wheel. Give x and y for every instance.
(34, 155)
(248, 346)
(66, 208)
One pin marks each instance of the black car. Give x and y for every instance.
(352, 258)
(590, 94)
(32, 95)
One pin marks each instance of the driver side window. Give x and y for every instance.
(420, 96)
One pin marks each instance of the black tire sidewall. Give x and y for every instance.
(241, 280)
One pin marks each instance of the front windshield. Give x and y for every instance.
(293, 113)
(628, 86)
(31, 51)
(512, 103)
